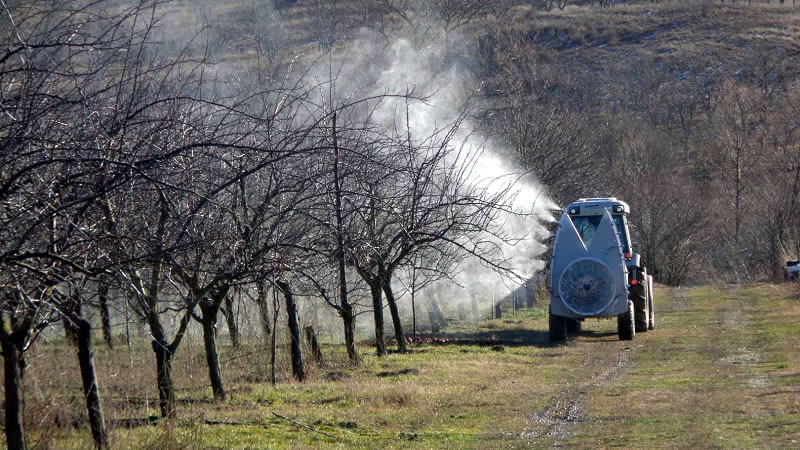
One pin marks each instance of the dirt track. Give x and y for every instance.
(608, 357)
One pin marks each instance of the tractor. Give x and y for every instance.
(792, 271)
(595, 273)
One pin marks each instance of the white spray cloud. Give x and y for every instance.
(405, 68)
(367, 67)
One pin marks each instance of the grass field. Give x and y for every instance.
(721, 370)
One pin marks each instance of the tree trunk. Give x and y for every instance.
(298, 371)
(210, 312)
(210, 303)
(434, 321)
(69, 335)
(346, 309)
(313, 344)
(12, 369)
(437, 310)
(273, 350)
(263, 309)
(414, 304)
(105, 317)
(94, 407)
(148, 302)
(498, 311)
(230, 318)
(166, 388)
(475, 314)
(349, 320)
(377, 307)
(164, 353)
(399, 335)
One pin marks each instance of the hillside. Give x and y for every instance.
(676, 34)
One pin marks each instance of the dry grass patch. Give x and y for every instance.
(676, 33)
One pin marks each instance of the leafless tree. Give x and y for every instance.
(425, 22)
(326, 16)
(546, 129)
(668, 231)
(57, 83)
(684, 102)
(738, 157)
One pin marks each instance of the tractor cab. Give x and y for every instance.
(586, 214)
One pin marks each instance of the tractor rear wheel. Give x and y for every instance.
(651, 320)
(638, 295)
(626, 327)
(573, 326)
(558, 328)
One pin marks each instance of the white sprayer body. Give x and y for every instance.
(590, 280)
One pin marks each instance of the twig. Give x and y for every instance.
(234, 358)
(304, 426)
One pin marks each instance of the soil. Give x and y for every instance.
(607, 358)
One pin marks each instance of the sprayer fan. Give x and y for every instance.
(587, 287)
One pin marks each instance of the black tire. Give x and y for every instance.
(651, 320)
(573, 326)
(638, 295)
(626, 327)
(558, 328)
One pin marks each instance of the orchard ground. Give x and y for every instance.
(721, 369)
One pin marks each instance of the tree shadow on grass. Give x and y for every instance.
(597, 334)
(515, 337)
(518, 337)
(133, 422)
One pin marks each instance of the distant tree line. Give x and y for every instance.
(707, 152)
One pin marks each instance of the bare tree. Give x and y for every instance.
(670, 232)
(57, 83)
(684, 102)
(427, 21)
(738, 154)
(325, 21)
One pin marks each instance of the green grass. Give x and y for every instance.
(712, 375)
(721, 370)
(457, 396)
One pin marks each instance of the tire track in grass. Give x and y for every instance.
(707, 378)
(566, 409)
